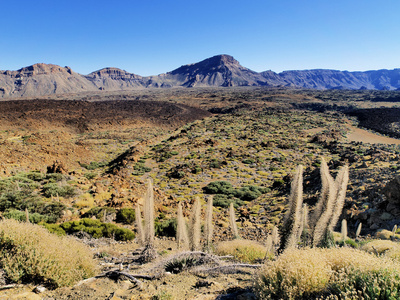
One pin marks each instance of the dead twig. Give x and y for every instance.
(8, 286)
(114, 274)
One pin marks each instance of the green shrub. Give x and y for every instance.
(27, 199)
(99, 212)
(166, 227)
(90, 175)
(245, 193)
(219, 187)
(54, 177)
(36, 176)
(248, 161)
(29, 253)
(54, 228)
(123, 234)
(248, 193)
(53, 189)
(224, 201)
(181, 264)
(126, 215)
(97, 229)
(93, 165)
(140, 169)
(197, 170)
(216, 164)
(21, 216)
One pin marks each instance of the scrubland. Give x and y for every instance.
(80, 185)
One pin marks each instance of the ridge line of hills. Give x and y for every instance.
(217, 71)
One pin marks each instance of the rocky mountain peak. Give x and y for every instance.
(222, 59)
(42, 68)
(113, 73)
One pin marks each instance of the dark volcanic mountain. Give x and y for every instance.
(218, 71)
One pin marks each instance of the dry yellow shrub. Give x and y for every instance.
(242, 250)
(384, 247)
(318, 273)
(384, 234)
(30, 253)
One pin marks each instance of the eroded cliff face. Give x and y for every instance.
(217, 71)
(115, 79)
(42, 79)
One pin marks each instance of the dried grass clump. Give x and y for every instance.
(29, 253)
(242, 250)
(383, 247)
(341, 273)
(384, 234)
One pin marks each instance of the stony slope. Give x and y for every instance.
(42, 79)
(217, 71)
(333, 79)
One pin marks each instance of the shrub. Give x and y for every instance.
(219, 187)
(248, 193)
(54, 177)
(126, 215)
(54, 228)
(384, 234)
(98, 229)
(140, 169)
(245, 193)
(21, 216)
(53, 189)
(383, 247)
(90, 175)
(29, 253)
(180, 264)
(340, 273)
(99, 212)
(224, 201)
(248, 161)
(214, 163)
(166, 228)
(35, 176)
(93, 165)
(242, 250)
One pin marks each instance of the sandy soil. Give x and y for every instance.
(361, 135)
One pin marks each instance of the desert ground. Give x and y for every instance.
(89, 156)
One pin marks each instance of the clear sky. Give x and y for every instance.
(150, 37)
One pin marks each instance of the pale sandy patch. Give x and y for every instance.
(361, 135)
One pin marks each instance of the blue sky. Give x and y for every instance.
(150, 37)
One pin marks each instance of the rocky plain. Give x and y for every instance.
(80, 156)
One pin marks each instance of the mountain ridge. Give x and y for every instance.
(217, 71)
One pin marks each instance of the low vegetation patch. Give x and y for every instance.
(225, 193)
(29, 253)
(24, 192)
(242, 250)
(95, 228)
(340, 273)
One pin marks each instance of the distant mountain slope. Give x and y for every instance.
(220, 70)
(115, 79)
(217, 71)
(42, 79)
(333, 79)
